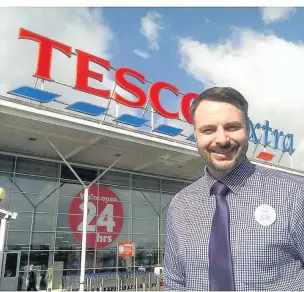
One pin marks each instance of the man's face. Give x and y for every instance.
(221, 134)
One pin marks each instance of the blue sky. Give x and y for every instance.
(205, 25)
(208, 25)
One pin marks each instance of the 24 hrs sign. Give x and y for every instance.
(105, 216)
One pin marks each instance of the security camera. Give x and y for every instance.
(14, 215)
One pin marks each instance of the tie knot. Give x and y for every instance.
(219, 189)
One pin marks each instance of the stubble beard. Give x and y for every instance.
(227, 166)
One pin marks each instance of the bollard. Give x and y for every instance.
(101, 285)
(158, 283)
(149, 282)
(135, 284)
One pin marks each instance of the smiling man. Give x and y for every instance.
(240, 226)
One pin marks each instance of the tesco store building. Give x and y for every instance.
(141, 165)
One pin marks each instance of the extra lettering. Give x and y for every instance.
(268, 137)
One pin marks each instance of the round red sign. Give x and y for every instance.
(105, 216)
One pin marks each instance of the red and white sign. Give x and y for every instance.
(105, 216)
(46, 47)
(125, 249)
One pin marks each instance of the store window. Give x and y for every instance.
(23, 222)
(145, 182)
(36, 167)
(86, 175)
(7, 163)
(35, 190)
(24, 257)
(17, 240)
(165, 202)
(65, 240)
(147, 259)
(172, 186)
(145, 241)
(42, 240)
(106, 262)
(35, 199)
(146, 213)
(163, 232)
(124, 196)
(68, 189)
(71, 260)
(115, 178)
(162, 240)
(44, 222)
(105, 259)
(40, 259)
(42, 231)
(146, 197)
(145, 226)
(21, 203)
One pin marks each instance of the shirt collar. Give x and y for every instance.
(235, 180)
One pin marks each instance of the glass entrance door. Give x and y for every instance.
(10, 271)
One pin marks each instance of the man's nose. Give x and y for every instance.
(221, 137)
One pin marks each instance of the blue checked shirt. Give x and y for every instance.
(264, 257)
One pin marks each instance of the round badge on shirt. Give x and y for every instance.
(265, 215)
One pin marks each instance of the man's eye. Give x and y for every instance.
(232, 128)
(207, 131)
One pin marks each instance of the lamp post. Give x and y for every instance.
(5, 217)
(85, 210)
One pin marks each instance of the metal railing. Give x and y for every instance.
(110, 282)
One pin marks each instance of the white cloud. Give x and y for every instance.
(141, 54)
(266, 69)
(275, 14)
(151, 25)
(80, 28)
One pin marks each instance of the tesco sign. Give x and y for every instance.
(83, 73)
(260, 133)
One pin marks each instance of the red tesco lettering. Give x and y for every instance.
(83, 73)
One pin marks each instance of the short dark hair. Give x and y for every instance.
(224, 94)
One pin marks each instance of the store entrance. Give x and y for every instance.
(10, 271)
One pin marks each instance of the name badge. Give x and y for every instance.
(265, 215)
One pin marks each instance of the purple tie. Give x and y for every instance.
(220, 259)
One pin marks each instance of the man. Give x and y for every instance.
(240, 226)
(32, 280)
